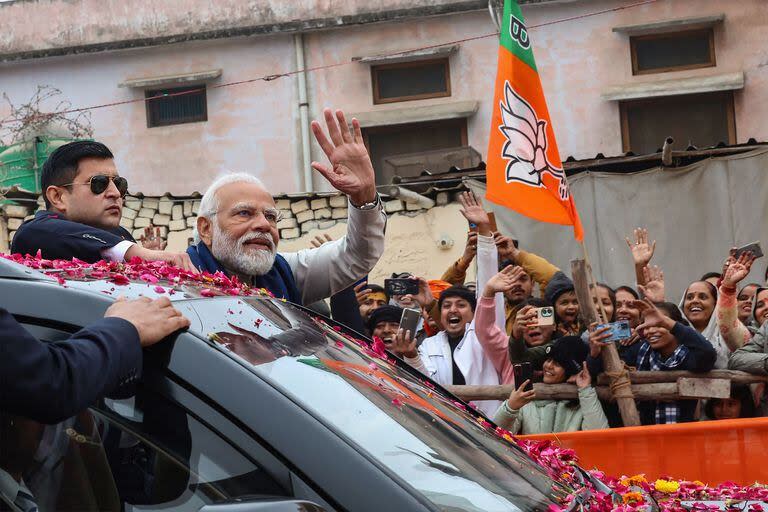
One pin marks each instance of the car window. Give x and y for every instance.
(141, 453)
(420, 434)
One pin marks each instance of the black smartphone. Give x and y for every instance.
(401, 286)
(754, 248)
(409, 320)
(523, 372)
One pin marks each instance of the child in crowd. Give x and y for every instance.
(560, 293)
(739, 405)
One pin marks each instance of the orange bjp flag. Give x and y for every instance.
(524, 171)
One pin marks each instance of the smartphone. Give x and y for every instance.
(409, 320)
(754, 248)
(523, 372)
(492, 218)
(401, 286)
(618, 330)
(545, 316)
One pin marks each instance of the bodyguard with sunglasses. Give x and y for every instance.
(84, 202)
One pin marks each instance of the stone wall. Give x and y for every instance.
(418, 240)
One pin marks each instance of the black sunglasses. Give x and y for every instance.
(100, 182)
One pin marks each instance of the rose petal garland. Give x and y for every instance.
(560, 463)
(138, 270)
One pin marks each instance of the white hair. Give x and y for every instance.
(209, 204)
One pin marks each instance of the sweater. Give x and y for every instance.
(546, 416)
(493, 339)
(700, 358)
(734, 333)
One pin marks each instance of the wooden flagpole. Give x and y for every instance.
(620, 384)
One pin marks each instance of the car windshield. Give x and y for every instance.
(397, 416)
(419, 433)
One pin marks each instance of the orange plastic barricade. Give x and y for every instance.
(710, 451)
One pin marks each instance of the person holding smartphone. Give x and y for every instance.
(455, 355)
(521, 415)
(667, 343)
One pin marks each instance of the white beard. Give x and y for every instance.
(235, 257)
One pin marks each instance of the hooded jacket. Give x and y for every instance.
(753, 358)
(546, 416)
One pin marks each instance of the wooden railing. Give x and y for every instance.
(674, 385)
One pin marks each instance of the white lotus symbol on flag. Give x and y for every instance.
(526, 146)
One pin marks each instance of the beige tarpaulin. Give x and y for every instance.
(696, 213)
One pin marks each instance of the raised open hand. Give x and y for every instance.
(654, 284)
(351, 171)
(320, 240)
(152, 239)
(473, 211)
(652, 316)
(642, 251)
(738, 269)
(502, 281)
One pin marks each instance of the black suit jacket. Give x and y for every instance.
(49, 382)
(58, 238)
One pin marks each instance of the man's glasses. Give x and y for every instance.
(100, 182)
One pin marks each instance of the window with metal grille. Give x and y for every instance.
(677, 51)
(177, 105)
(410, 81)
(385, 142)
(693, 119)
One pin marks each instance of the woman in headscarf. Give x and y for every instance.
(698, 308)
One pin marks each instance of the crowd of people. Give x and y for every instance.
(475, 332)
(720, 323)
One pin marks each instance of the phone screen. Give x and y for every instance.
(409, 320)
(523, 372)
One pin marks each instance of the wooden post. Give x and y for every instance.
(614, 367)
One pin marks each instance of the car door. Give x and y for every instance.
(185, 414)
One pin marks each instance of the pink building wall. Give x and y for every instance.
(255, 127)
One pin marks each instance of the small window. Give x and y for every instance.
(659, 53)
(183, 105)
(388, 141)
(696, 119)
(411, 81)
